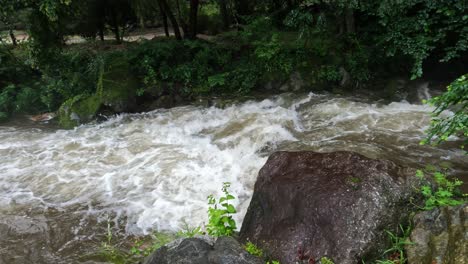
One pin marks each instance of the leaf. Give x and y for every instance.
(231, 209)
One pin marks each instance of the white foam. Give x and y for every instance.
(158, 168)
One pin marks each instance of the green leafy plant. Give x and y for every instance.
(189, 231)
(325, 260)
(446, 192)
(273, 262)
(455, 99)
(396, 253)
(253, 249)
(109, 252)
(158, 240)
(220, 221)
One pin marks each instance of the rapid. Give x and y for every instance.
(154, 171)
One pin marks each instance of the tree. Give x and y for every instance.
(10, 12)
(168, 12)
(192, 33)
(455, 99)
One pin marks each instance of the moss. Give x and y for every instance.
(116, 84)
(116, 88)
(79, 109)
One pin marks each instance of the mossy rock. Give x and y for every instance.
(78, 110)
(116, 89)
(116, 84)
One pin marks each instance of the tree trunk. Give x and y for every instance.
(101, 33)
(193, 19)
(101, 14)
(349, 17)
(115, 26)
(181, 19)
(164, 19)
(170, 15)
(142, 22)
(12, 36)
(224, 13)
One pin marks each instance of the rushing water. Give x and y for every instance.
(153, 171)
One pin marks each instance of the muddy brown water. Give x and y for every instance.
(153, 171)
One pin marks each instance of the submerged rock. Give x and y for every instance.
(202, 250)
(309, 205)
(439, 236)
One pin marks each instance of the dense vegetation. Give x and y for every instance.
(352, 44)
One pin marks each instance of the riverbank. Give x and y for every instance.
(83, 81)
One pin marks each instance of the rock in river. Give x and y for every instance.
(202, 250)
(440, 236)
(309, 205)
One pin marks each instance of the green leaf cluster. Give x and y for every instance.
(220, 220)
(253, 249)
(446, 192)
(398, 241)
(442, 125)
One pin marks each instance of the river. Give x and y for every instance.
(153, 171)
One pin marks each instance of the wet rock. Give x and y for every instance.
(78, 110)
(294, 84)
(165, 101)
(439, 236)
(202, 250)
(345, 77)
(117, 85)
(43, 117)
(308, 205)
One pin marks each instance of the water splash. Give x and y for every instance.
(156, 169)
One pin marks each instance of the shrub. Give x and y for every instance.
(253, 249)
(220, 221)
(446, 192)
(456, 99)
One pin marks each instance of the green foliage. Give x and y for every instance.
(109, 252)
(446, 192)
(328, 74)
(168, 65)
(455, 99)
(253, 249)
(209, 18)
(220, 221)
(189, 231)
(158, 240)
(396, 253)
(418, 28)
(72, 74)
(325, 260)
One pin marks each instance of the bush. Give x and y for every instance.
(456, 99)
(220, 221)
(445, 193)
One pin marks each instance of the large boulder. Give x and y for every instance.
(116, 84)
(309, 205)
(115, 91)
(439, 236)
(78, 110)
(202, 250)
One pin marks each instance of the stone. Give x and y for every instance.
(439, 236)
(202, 250)
(307, 205)
(78, 110)
(116, 86)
